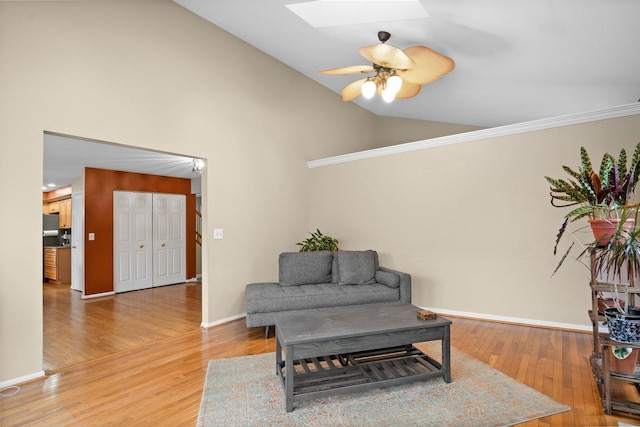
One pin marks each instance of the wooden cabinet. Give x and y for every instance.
(65, 213)
(57, 265)
(62, 208)
(54, 207)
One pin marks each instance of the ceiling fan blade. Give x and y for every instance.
(408, 90)
(352, 90)
(430, 65)
(354, 69)
(387, 55)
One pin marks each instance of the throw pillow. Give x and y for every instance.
(387, 278)
(305, 268)
(357, 267)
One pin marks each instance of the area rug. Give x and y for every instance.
(244, 391)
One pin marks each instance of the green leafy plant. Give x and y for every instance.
(618, 254)
(596, 195)
(601, 195)
(318, 242)
(620, 257)
(621, 352)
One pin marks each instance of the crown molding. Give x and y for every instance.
(571, 119)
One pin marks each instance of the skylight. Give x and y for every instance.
(329, 13)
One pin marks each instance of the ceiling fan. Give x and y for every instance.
(398, 73)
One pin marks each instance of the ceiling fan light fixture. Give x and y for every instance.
(388, 95)
(368, 89)
(394, 83)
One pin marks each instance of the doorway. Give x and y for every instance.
(65, 156)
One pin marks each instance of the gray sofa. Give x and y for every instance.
(311, 281)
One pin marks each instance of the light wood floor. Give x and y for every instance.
(140, 359)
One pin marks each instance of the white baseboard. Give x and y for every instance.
(515, 320)
(479, 316)
(20, 380)
(221, 321)
(104, 294)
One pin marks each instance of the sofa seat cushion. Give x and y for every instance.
(271, 297)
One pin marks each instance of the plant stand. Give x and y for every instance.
(600, 358)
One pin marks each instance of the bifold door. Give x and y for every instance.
(133, 248)
(169, 241)
(149, 240)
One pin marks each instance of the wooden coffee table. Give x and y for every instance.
(348, 349)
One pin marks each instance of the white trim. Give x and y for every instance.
(515, 320)
(104, 294)
(221, 321)
(20, 380)
(479, 316)
(572, 119)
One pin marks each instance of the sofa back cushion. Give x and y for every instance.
(357, 267)
(305, 268)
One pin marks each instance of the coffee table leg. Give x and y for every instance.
(278, 355)
(288, 364)
(446, 354)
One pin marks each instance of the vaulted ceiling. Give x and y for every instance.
(516, 60)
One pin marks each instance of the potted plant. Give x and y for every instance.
(623, 360)
(618, 262)
(607, 196)
(598, 196)
(318, 242)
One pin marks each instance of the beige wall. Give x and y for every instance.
(471, 222)
(393, 130)
(153, 75)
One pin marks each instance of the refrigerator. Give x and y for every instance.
(50, 230)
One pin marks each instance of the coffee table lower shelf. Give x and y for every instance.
(345, 373)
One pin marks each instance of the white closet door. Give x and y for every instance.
(133, 241)
(169, 240)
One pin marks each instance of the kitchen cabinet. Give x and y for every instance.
(54, 207)
(57, 265)
(65, 213)
(62, 208)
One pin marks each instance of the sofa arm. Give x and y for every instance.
(405, 285)
(255, 294)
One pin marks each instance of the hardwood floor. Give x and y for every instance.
(125, 361)
(77, 331)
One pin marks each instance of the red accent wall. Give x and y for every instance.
(99, 185)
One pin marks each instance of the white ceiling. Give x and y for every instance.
(516, 60)
(65, 159)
